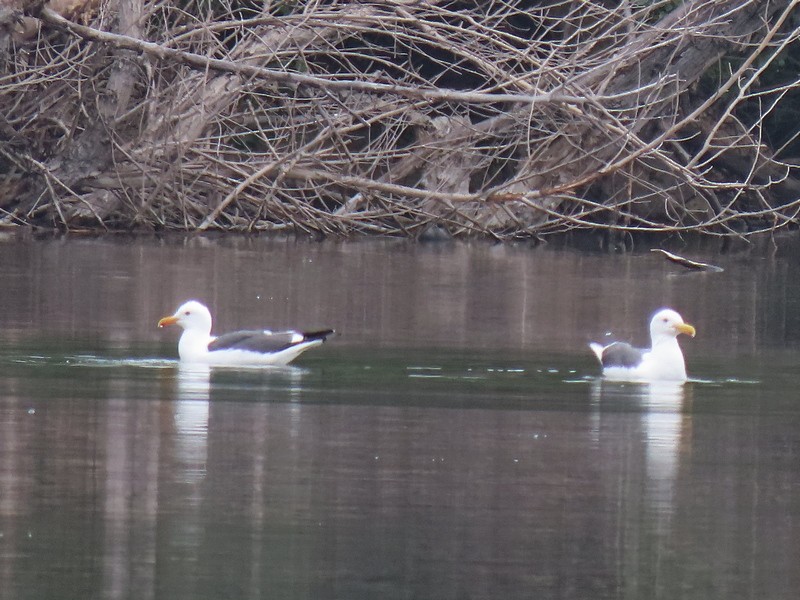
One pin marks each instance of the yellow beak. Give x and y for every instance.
(685, 328)
(172, 320)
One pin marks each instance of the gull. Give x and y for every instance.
(261, 347)
(663, 361)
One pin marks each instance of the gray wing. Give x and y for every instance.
(621, 354)
(265, 341)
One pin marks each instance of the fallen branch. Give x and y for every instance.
(688, 263)
(165, 53)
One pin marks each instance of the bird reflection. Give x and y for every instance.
(663, 425)
(194, 382)
(194, 388)
(191, 420)
(197, 382)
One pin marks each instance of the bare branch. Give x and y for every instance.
(502, 118)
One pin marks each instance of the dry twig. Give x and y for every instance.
(497, 118)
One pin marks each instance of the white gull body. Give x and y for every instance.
(262, 347)
(663, 361)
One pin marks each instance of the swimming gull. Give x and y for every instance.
(262, 347)
(663, 361)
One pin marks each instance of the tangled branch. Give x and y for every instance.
(506, 119)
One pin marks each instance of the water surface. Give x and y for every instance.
(452, 441)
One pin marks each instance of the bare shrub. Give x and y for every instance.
(501, 118)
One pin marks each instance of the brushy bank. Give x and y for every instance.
(505, 119)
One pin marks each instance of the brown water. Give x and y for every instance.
(452, 441)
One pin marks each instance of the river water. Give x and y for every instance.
(452, 441)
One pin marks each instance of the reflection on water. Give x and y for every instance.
(663, 435)
(664, 416)
(663, 422)
(451, 443)
(194, 383)
(664, 410)
(191, 419)
(655, 396)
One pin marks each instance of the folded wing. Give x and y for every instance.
(265, 342)
(621, 354)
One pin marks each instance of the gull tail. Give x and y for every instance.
(598, 350)
(322, 334)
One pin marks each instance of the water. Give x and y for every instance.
(453, 440)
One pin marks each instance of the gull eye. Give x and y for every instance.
(187, 313)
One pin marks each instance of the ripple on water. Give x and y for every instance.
(466, 374)
(89, 360)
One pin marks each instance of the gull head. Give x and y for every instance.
(668, 323)
(191, 316)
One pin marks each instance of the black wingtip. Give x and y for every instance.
(322, 334)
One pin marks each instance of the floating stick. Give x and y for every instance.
(688, 263)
